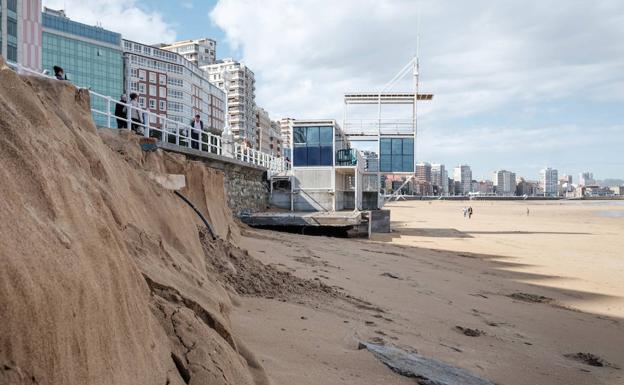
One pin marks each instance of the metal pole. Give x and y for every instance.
(108, 106)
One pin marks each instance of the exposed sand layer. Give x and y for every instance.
(513, 299)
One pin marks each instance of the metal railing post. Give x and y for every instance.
(108, 107)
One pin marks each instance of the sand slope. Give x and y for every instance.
(104, 279)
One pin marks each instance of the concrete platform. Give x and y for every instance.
(307, 219)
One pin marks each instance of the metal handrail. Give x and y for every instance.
(181, 132)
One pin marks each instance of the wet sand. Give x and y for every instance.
(536, 288)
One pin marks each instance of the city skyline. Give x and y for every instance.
(507, 87)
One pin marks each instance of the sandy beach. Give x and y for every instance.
(537, 290)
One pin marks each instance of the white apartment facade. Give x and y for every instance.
(168, 84)
(549, 178)
(200, 52)
(505, 182)
(20, 32)
(239, 84)
(439, 177)
(275, 140)
(286, 129)
(463, 174)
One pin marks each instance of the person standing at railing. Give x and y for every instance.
(197, 124)
(121, 112)
(59, 73)
(135, 113)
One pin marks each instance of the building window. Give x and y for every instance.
(163, 92)
(152, 77)
(313, 146)
(142, 88)
(134, 86)
(152, 104)
(396, 155)
(162, 79)
(12, 5)
(162, 105)
(11, 27)
(142, 75)
(152, 91)
(142, 101)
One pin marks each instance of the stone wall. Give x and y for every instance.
(247, 189)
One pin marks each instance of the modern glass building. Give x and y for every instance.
(91, 56)
(313, 146)
(9, 29)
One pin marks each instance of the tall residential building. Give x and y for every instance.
(586, 179)
(439, 177)
(423, 171)
(275, 140)
(20, 32)
(549, 180)
(286, 129)
(463, 175)
(91, 56)
(504, 182)
(263, 128)
(238, 81)
(200, 52)
(168, 84)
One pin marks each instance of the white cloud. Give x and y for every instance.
(123, 16)
(478, 57)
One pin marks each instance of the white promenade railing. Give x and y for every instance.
(167, 130)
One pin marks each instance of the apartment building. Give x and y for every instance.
(439, 178)
(586, 179)
(263, 128)
(200, 52)
(462, 174)
(168, 84)
(548, 179)
(238, 82)
(423, 172)
(504, 182)
(20, 32)
(286, 129)
(275, 140)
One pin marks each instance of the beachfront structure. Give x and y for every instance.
(439, 178)
(20, 32)
(326, 175)
(200, 52)
(170, 85)
(90, 56)
(548, 179)
(239, 84)
(504, 182)
(462, 174)
(263, 126)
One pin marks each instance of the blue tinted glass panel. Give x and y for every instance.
(397, 146)
(386, 146)
(408, 146)
(301, 156)
(313, 136)
(408, 163)
(326, 156)
(299, 135)
(314, 156)
(326, 136)
(397, 163)
(385, 163)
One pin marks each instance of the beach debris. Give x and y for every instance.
(470, 332)
(535, 298)
(427, 371)
(390, 275)
(590, 359)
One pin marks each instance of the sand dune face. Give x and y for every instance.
(103, 277)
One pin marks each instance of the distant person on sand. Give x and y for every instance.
(135, 113)
(59, 73)
(121, 113)
(469, 212)
(465, 210)
(527, 211)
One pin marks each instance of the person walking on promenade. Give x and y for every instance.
(121, 112)
(197, 124)
(135, 113)
(59, 73)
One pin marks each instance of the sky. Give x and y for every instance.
(518, 85)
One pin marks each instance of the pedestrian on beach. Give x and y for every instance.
(135, 113)
(465, 210)
(469, 212)
(197, 124)
(59, 73)
(527, 211)
(121, 112)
